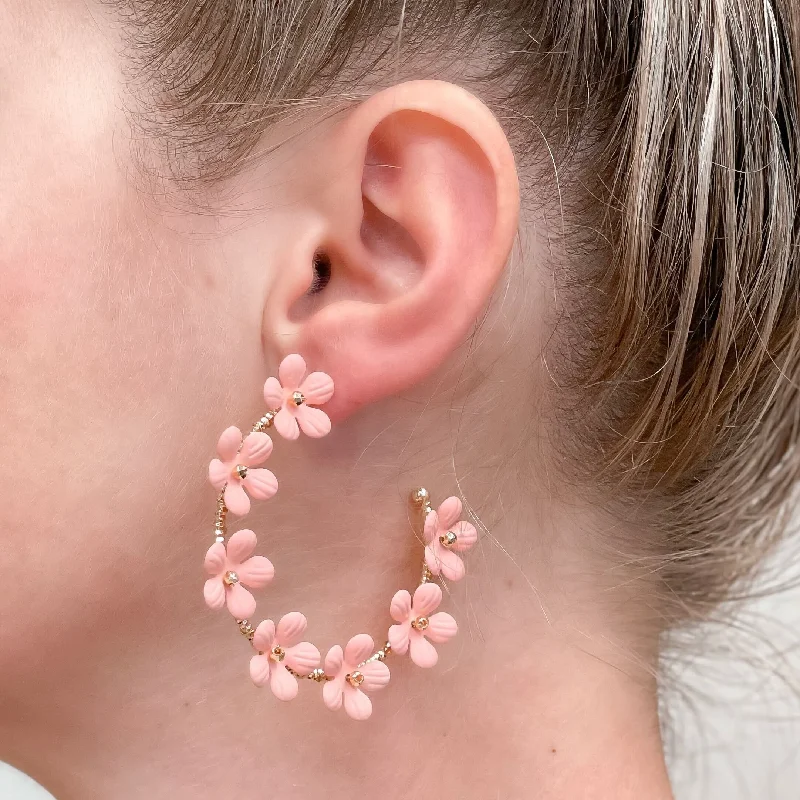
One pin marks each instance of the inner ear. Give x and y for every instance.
(427, 188)
(391, 245)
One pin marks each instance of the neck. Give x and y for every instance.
(521, 704)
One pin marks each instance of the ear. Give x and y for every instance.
(411, 218)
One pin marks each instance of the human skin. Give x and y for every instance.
(137, 325)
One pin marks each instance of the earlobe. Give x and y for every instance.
(419, 215)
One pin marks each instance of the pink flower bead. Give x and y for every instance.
(234, 469)
(232, 569)
(417, 626)
(279, 649)
(351, 678)
(290, 398)
(445, 537)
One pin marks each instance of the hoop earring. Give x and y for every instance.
(350, 674)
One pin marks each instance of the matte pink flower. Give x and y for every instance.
(290, 397)
(234, 469)
(279, 649)
(351, 677)
(232, 569)
(417, 626)
(445, 537)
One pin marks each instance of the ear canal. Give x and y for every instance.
(322, 272)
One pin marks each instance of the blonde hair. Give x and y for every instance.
(691, 108)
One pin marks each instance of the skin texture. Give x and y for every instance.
(137, 325)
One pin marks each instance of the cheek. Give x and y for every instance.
(100, 333)
(99, 315)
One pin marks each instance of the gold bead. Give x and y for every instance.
(355, 679)
(317, 675)
(230, 578)
(246, 628)
(420, 624)
(448, 539)
(277, 654)
(419, 497)
(241, 471)
(298, 399)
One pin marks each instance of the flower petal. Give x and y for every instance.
(332, 693)
(241, 603)
(376, 676)
(450, 565)
(422, 652)
(236, 499)
(215, 559)
(229, 443)
(427, 598)
(302, 658)
(334, 660)
(466, 536)
(214, 593)
(317, 388)
(357, 704)
(291, 371)
(441, 627)
(431, 527)
(400, 608)
(218, 473)
(313, 422)
(291, 629)
(264, 636)
(255, 450)
(241, 546)
(261, 484)
(286, 424)
(283, 683)
(260, 669)
(273, 394)
(256, 572)
(358, 649)
(431, 561)
(449, 512)
(398, 637)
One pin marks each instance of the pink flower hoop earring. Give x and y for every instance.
(351, 674)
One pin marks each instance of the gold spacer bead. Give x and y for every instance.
(317, 675)
(420, 497)
(420, 624)
(355, 678)
(298, 398)
(265, 421)
(246, 628)
(230, 578)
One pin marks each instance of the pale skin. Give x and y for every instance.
(136, 328)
